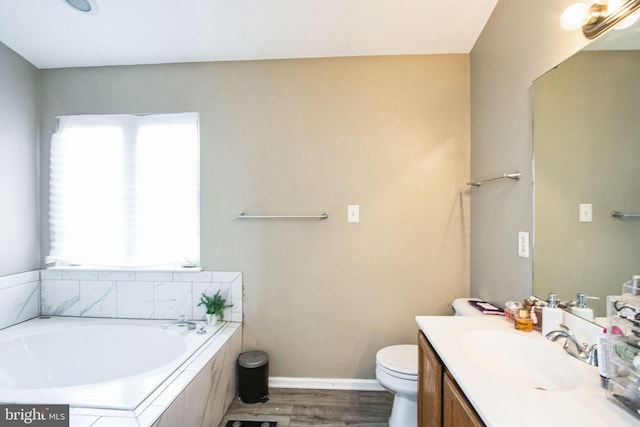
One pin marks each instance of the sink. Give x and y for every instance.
(522, 361)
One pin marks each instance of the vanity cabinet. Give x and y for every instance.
(430, 371)
(441, 403)
(456, 409)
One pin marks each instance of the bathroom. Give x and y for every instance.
(398, 136)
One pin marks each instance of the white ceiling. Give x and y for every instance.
(50, 34)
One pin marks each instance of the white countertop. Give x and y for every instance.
(502, 404)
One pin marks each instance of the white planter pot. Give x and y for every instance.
(212, 319)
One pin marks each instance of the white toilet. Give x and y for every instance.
(461, 307)
(397, 371)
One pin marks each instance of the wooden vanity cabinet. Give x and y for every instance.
(430, 372)
(456, 409)
(441, 403)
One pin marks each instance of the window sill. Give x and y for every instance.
(127, 269)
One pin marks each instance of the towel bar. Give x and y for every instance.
(322, 216)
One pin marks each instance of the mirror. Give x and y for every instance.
(586, 131)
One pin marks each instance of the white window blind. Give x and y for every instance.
(124, 191)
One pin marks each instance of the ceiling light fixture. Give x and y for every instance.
(599, 17)
(88, 7)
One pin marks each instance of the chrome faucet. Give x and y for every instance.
(588, 354)
(181, 322)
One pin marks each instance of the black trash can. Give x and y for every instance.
(253, 376)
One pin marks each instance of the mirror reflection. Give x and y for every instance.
(587, 164)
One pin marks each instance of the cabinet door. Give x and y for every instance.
(430, 372)
(456, 409)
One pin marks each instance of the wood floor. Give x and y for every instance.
(321, 408)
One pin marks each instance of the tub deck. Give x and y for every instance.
(140, 399)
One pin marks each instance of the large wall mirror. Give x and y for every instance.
(586, 128)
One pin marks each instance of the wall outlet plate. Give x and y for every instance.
(523, 244)
(586, 212)
(353, 214)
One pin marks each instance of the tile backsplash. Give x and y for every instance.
(19, 297)
(117, 294)
(137, 294)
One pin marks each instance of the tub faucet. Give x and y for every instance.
(181, 322)
(588, 354)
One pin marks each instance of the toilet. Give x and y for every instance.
(397, 372)
(461, 307)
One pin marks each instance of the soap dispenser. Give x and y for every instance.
(551, 315)
(581, 309)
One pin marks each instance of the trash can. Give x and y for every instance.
(253, 376)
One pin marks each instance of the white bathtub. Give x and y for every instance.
(92, 363)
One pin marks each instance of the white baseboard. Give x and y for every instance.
(325, 383)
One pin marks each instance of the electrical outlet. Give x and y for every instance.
(523, 244)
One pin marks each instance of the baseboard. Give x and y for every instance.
(325, 383)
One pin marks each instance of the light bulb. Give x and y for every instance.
(575, 16)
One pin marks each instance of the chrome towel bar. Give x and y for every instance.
(514, 176)
(322, 216)
(617, 214)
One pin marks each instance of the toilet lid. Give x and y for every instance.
(399, 358)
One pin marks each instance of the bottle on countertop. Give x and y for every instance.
(511, 310)
(523, 321)
(581, 309)
(536, 312)
(603, 360)
(635, 284)
(551, 315)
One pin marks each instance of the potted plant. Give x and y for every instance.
(215, 306)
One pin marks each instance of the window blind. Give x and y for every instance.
(124, 191)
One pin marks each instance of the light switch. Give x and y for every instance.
(586, 212)
(523, 244)
(353, 214)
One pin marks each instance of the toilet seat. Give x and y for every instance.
(400, 361)
(398, 375)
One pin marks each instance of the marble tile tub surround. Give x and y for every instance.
(19, 297)
(137, 294)
(205, 400)
(197, 394)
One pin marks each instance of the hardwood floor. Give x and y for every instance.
(322, 408)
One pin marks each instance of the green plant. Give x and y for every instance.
(214, 304)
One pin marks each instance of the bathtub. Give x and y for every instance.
(112, 364)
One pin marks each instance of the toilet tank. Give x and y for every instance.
(461, 307)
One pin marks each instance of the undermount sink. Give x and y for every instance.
(522, 361)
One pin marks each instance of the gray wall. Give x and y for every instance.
(521, 41)
(307, 136)
(19, 238)
(323, 297)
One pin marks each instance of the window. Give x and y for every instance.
(124, 191)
